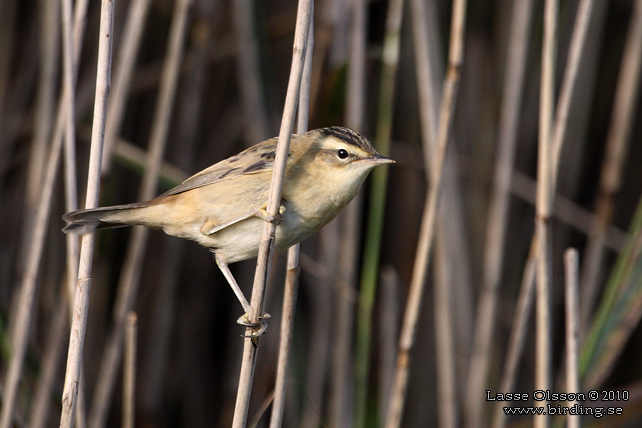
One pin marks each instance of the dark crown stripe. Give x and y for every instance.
(349, 136)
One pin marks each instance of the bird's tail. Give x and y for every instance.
(84, 221)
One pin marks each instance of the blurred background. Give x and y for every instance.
(231, 85)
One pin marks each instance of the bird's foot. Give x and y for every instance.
(276, 219)
(258, 328)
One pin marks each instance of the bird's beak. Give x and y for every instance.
(377, 159)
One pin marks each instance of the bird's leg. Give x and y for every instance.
(235, 287)
(244, 319)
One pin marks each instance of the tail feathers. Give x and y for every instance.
(85, 221)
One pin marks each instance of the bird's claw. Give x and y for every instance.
(276, 219)
(258, 328)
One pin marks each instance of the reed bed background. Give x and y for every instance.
(516, 130)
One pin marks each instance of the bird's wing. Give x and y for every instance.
(250, 161)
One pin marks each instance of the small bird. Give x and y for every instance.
(223, 207)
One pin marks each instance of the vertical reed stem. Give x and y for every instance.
(498, 211)
(266, 247)
(293, 269)
(374, 227)
(426, 234)
(129, 370)
(571, 294)
(132, 268)
(83, 288)
(545, 180)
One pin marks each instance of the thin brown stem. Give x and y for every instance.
(452, 264)
(81, 301)
(498, 211)
(52, 354)
(570, 81)
(342, 379)
(376, 211)
(123, 72)
(417, 285)
(287, 328)
(293, 269)
(45, 101)
(545, 182)
(266, 247)
(518, 333)
(571, 300)
(27, 290)
(566, 211)
(129, 371)
(69, 90)
(129, 280)
(617, 145)
(250, 81)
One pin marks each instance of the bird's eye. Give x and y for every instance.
(342, 153)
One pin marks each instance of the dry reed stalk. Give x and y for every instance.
(411, 316)
(71, 186)
(444, 328)
(266, 247)
(342, 381)
(154, 361)
(375, 217)
(81, 301)
(447, 406)
(28, 286)
(342, 373)
(287, 328)
(44, 112)
(618, 313)
(265, 405)
(79, 28)
(545, 183)
(45, 98)
(428, 78)
(156, 350)
(567, 211)
(518, 332)
(129, 370)
(60, 120)
(293, 269)
(356, 84)
(550, 145)
(56, 340)
(617, 144)
(453, 267)
(498, 211)
(551, 141)
(123, 72)
(130, 275)
(568, 89)
(131, 154)
(390, 305)
(250, 81)
(320, 324)
(571, 295)
(25, 297)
